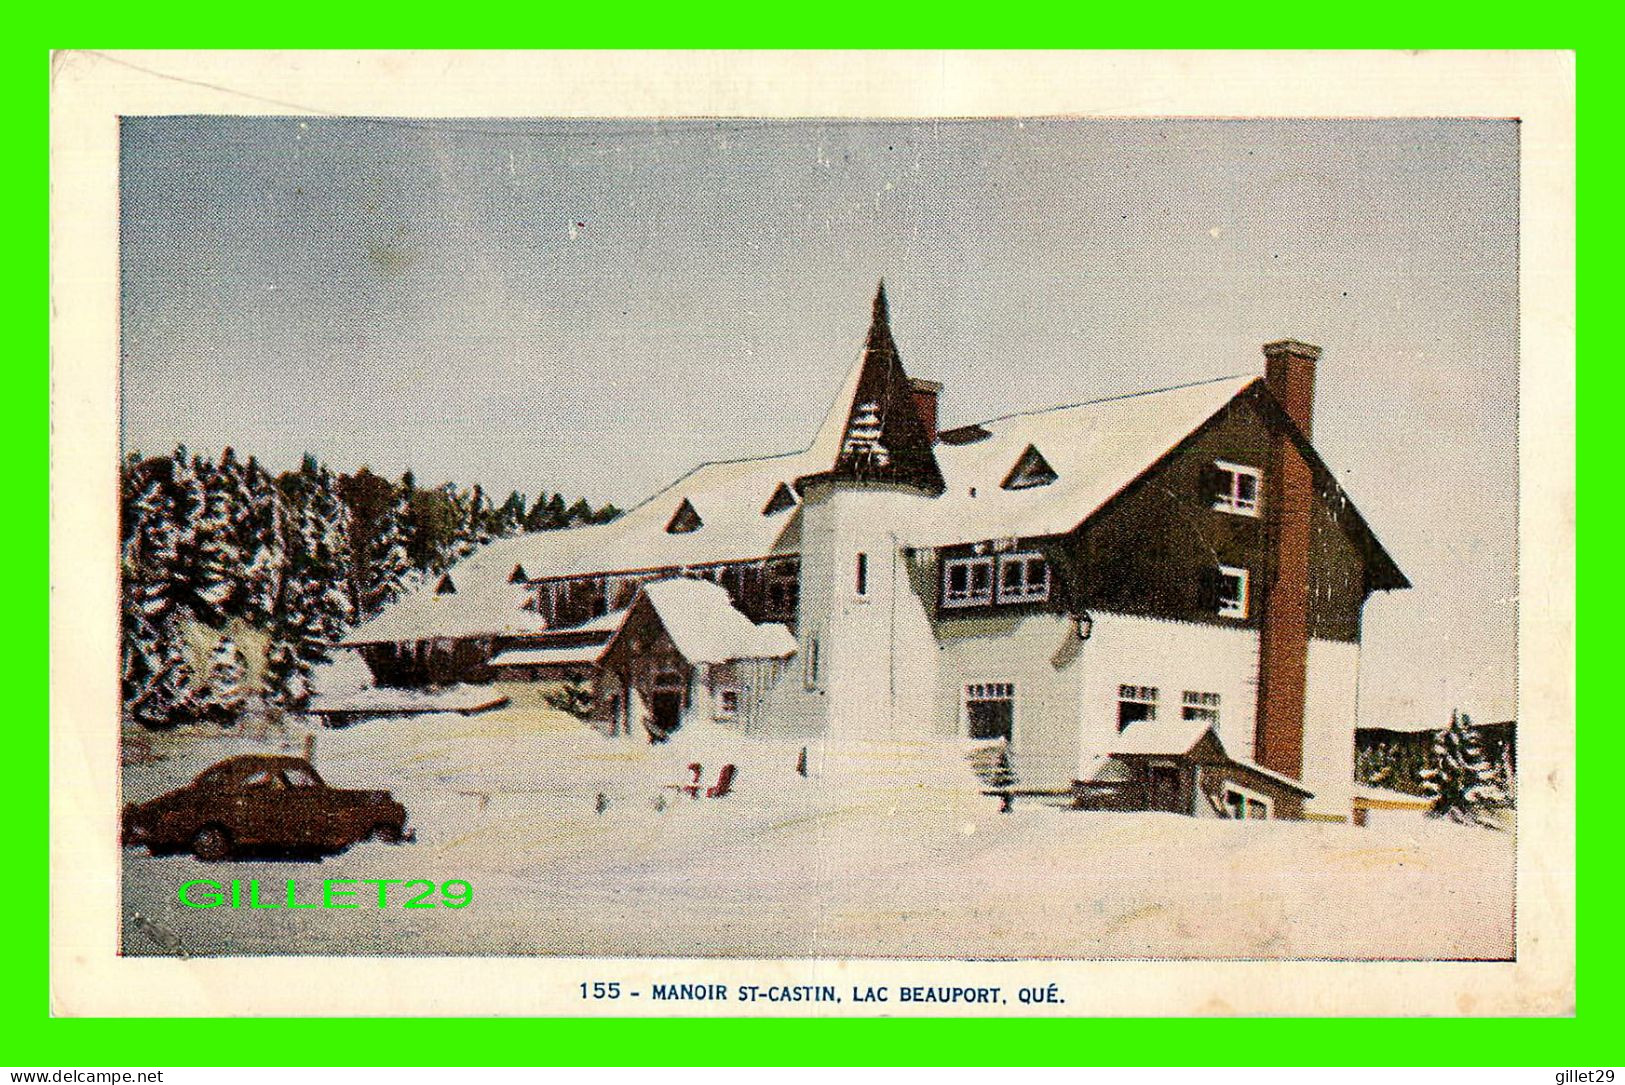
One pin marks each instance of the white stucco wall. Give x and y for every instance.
(1039, 654)
(877, 656)
(1329, 714)
(1172, 657)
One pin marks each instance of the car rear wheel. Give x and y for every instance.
(385, 834)
(211, 844)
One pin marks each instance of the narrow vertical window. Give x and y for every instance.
(863, 574)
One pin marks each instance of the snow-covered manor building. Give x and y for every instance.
(1155, 598)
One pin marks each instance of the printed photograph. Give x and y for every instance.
(1030, 538)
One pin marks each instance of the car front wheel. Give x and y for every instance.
(211, 844)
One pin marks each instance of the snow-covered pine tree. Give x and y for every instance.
(287, 675)
(510, 516)
(1460, 780)
(579, 513)
(189, 580)
(225, 691)
(390, 573)
(219, 583)
(166, 700)
(260, 538)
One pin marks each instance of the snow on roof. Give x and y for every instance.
(1175, 739)
(1095, 449)
(706, 628)
(1149, 738)
(530, 657)
(1371, 793)
(484, 603)
(728, 496)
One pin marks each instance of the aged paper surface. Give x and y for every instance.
(693, 913)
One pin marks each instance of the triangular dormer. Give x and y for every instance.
(446, 586)
(518, 575)
(1031, 470)
(782, 499)
(685, 519)
(883, 438)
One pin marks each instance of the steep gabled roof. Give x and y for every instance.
(883, 438)
(704, 625)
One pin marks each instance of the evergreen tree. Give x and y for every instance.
(225, 691)
(536, 518)
(219, 560)
(166, 699)
(389, 573)
(261, 532)
(580, 513)
(606, 514)
(1460, 780)
(510, 517)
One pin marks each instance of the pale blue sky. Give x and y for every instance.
(417, 293)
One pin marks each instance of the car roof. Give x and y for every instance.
(259, 760)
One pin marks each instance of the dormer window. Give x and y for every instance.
(782, 499)
(446, 586)
(518, 575)
(685, 519)
(1023, 578)
(1235, 488)
(1031, 470)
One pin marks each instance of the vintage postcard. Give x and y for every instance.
(816, 535)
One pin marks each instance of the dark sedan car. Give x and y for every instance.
(261, 803)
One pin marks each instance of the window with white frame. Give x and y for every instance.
(1200, 706)
(1232, 591)
(1236, 488)
(1135, 704)
(727, 702)
(990, 710)
(1023, 578)
(1244, 805)
(967, 582)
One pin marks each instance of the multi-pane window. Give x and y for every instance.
(1232, 591)
(1134, 704)
(1200, 706)
(967, 582)
(990, 710)
(1236, 488)
(1023, 578)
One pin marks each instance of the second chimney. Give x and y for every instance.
(925, 401)
(1283, 627)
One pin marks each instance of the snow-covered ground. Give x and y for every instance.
(885, 850)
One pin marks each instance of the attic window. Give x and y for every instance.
(685, 519)
(1031, 470)
(782, 499)
(518, 575)
(446, 586)
(1234, 487)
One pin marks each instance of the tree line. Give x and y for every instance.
(289, 562)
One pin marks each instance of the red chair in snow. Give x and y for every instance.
(692, 788)
(724, 784)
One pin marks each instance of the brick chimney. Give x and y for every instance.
(1289, 494)
(925, 401)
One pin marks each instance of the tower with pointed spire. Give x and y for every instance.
(867, 651)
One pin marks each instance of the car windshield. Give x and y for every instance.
(301, 778)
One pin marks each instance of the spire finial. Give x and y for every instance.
(882, 310)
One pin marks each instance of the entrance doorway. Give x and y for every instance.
(1164, 786)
